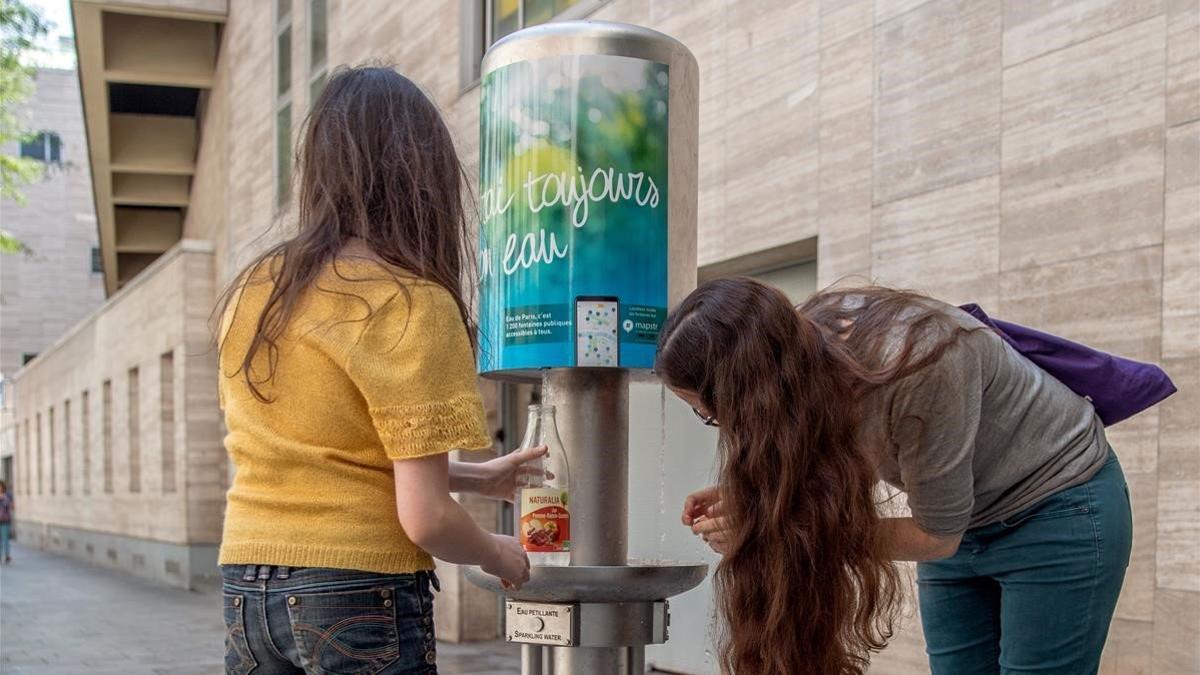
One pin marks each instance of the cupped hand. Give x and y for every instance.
(704, 513)
(698, 503)
(716, 532)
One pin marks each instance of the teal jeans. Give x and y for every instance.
(1034, 593)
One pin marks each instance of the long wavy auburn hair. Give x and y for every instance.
(376, 162)
(806, 584)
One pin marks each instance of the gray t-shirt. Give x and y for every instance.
(981, 434)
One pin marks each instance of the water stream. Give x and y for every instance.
(660, 515)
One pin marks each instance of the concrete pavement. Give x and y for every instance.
(60, 616)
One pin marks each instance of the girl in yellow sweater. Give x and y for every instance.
(347, 375)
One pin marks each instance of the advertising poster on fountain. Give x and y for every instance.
(573, 213)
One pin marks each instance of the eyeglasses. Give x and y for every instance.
(706, 419)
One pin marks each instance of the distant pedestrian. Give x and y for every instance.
(6, 511)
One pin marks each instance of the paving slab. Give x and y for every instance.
(61, 616)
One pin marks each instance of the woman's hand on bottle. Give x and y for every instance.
(704, 513)
(501, 477)
(509, 562)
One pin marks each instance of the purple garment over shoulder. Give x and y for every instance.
(1118, 388)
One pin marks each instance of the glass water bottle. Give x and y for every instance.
(543, 504)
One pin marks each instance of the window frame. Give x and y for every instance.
(475, 32)
(282, 23)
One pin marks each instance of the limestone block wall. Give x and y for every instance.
(118, 454)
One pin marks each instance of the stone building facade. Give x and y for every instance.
(119, 454)
(57, 224)
(1042, 159)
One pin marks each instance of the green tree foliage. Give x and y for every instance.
(20, 26)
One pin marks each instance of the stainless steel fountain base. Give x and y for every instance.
(639, 581)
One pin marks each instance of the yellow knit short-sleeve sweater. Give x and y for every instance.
(369, 370)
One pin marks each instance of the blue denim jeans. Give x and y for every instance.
(1034, 593)
(314, 621)
(5, 535)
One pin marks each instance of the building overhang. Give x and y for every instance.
(144, 72)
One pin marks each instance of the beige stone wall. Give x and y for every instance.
(57, 222)
(72, 471)
(206, 216)
(1039, 158)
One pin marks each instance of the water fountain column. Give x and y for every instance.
(592, 406)
(588, 175)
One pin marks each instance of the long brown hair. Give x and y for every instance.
(806, 584)
(376, 162)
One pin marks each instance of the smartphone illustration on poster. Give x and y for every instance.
(597, 342)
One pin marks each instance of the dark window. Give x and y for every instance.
(135, 433)
(510, 16)
(53, 454)
(166, 411)
(107, 426)
(34, 148)
(506, 18)
(37, 429)
(283, 154)
(318, 49)
(283, 101)
(284, 66)
(85, 437)
(317, 86)
(44, 147)
(317, 42)
(97, 260)
(66, 412)
(484, 22)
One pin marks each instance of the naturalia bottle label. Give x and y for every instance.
(545, 520)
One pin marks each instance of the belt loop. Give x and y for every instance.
(283, 572)
(248, 575)
(264, 572)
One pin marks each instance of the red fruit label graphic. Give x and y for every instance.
(545, 520)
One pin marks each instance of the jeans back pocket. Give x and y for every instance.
(345, 631)
(238, 659)
(1069, 502)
